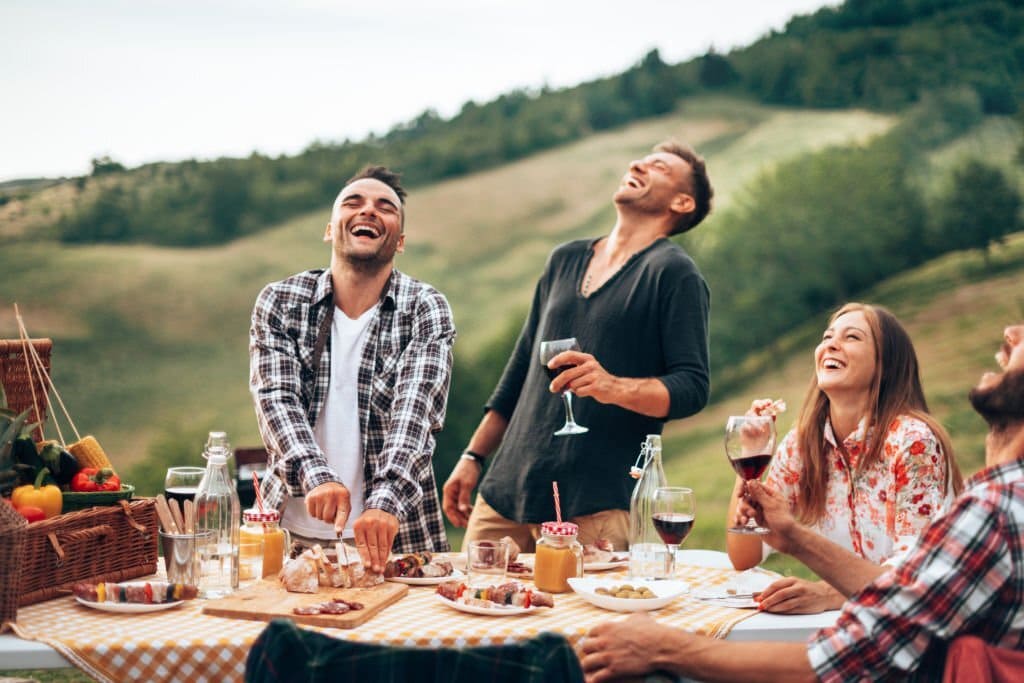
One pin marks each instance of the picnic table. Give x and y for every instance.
(185, 644)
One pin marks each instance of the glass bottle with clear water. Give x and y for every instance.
(218, 514)
(648, 557)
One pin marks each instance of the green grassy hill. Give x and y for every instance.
(954, 308)
(151, 342)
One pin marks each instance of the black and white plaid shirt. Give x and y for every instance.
(403, 383)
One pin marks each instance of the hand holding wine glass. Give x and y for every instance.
(674, 510)
(548, 350)
(749, 445)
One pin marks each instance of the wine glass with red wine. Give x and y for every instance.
(180, 483)
(749, 445)
(548, 350)
(673, 514)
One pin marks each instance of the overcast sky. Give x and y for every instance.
(150, 80)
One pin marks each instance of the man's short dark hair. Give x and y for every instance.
(699, 185)
(384, 175)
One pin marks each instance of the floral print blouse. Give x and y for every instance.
(879, 512)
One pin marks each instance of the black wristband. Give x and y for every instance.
(475, 457)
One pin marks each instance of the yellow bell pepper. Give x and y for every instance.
(47, 498)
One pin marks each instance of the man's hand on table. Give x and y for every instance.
(630, 647)
(457, 491)
(375, 532)
(791, 595)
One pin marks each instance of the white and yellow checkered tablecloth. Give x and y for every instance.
(184, 644)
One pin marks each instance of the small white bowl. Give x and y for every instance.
(665, 591)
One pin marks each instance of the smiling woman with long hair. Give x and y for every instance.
(866, 464)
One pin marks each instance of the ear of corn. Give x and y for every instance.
(89, 453)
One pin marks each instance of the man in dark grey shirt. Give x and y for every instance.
(638, 306)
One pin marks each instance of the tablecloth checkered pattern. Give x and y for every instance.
(183, 644)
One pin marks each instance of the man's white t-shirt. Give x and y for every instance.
(337, 428)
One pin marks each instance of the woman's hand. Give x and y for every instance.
(798, 596)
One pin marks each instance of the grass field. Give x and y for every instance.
(151, 342)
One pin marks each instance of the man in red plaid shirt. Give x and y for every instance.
(965, 576)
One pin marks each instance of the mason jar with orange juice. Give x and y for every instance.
(264, 527)
(559, 557)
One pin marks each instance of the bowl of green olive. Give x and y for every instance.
(626, 595)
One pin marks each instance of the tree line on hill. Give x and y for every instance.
(808, 236)
(882, 54)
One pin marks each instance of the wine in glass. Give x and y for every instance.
(673, 514)
(548, 350)
(749, 445)
(180, 483)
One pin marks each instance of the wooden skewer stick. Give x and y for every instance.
(179, 521)
(164, 513)
(190, 516)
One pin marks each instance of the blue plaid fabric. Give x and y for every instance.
(286, 653)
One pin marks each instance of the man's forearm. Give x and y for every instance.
(846, 572)
(709, 659)
(647, 396)
(489, 433)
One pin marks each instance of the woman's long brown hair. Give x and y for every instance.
(895, 390)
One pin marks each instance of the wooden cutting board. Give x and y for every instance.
(266, 600)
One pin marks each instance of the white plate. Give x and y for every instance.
(665, 592)
(601, 566)
(426, 580)
(496, 611)
(528, 563)
(129, 607)
(751, 581)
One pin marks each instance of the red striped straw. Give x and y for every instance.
(558, 507)
(256, 488)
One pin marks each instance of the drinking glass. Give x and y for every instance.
(180, 483)
(749, 445)
(673, 513)
(486, 563)
(548, 350)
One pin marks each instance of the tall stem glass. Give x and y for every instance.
(749, 445)
(674, 511)
(548, 350)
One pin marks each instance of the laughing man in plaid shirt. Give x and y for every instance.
(349, 371)
(964, 577)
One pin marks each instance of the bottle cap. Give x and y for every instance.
(559, 529)
(254, 515)
(217, 457)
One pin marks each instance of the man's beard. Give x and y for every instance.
(370, 263)
(1001, 405)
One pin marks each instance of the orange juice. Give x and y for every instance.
(263, 527)
(559, 557)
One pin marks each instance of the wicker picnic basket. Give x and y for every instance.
(113, 543)
(12, 545)
(19, 383)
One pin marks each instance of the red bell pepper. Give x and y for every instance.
(31, 513)
(95, 479)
